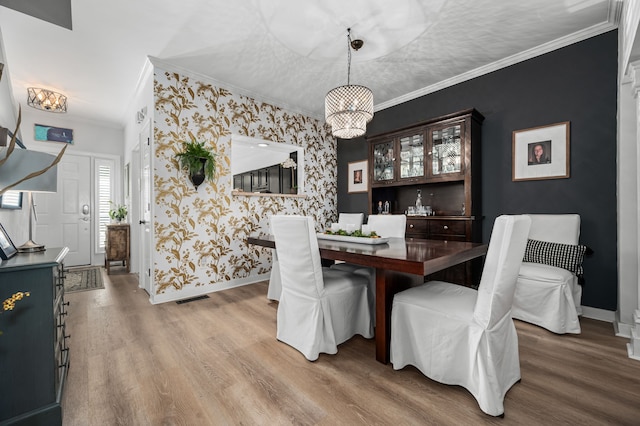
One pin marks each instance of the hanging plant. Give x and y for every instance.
(199, 162)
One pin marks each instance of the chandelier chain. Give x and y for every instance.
(348, 56)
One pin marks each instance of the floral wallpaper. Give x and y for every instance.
(200, 235)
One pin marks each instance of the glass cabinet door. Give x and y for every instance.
(383, 158)
(412, 156)
(446, 150)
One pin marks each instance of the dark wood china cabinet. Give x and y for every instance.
(440, 159)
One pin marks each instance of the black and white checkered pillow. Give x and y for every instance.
(566, 256)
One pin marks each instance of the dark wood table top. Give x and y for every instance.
(399, 263)
(410, 255)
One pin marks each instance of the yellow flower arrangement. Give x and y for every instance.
(10, 303)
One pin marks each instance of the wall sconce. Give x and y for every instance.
(46, 100)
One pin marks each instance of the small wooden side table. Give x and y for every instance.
(116, 246)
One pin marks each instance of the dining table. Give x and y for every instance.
(399, 263)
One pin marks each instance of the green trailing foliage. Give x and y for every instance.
(191, 158)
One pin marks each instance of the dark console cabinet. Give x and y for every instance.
(34, 356)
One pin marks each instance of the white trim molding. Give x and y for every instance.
(195, 291)
(598, 314)
(628, 212)
(506, 62)
(633, 347)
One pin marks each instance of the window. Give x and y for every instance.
(105, 178)
(11, 200)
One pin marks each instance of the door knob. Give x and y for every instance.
(142, 222)
(85, 209)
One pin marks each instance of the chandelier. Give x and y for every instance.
(348, 109)
(46, 100)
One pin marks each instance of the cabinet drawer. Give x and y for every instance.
(417, 228)
(447, 230)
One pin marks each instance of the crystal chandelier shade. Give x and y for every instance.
(46, 100)
(349, 108)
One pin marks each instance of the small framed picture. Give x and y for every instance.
(53, 134)
(358, 177)
(541, 152)
(7, 249)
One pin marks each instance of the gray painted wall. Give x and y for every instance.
(577, 83)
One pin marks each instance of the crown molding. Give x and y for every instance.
(168, 66)
(502, 63)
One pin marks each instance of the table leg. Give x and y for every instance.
(383, 321)
(388, 283)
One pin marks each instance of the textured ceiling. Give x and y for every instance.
(287, 52)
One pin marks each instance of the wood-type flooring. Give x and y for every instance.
(216, 361)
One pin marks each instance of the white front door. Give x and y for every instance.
(146, 236)
(64, 217)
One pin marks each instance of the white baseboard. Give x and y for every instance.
(622, 329)
(598, 314)
(630, 352)
(190, 292)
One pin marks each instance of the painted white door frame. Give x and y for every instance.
(97, 257)
(146, 209)
(65, 217)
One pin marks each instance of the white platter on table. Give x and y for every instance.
(348, 239)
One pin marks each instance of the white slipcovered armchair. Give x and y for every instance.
(549, 296)
(319, 307)
(459, 336)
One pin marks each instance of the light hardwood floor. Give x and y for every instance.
(216, 362)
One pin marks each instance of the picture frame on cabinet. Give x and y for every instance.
(541, 152)
(7, 249)
(358, 177)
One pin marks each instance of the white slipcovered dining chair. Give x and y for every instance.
(459, 336)
(388, 225)
(385, 225)
(275, 282)
(319, 308)
(547, 295)
(345, 219)
(351, 219)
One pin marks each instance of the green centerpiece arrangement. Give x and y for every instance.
(356, 233)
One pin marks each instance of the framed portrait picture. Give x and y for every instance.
(358, 177)
(541, 152)
(7, 249)
(53, 134)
